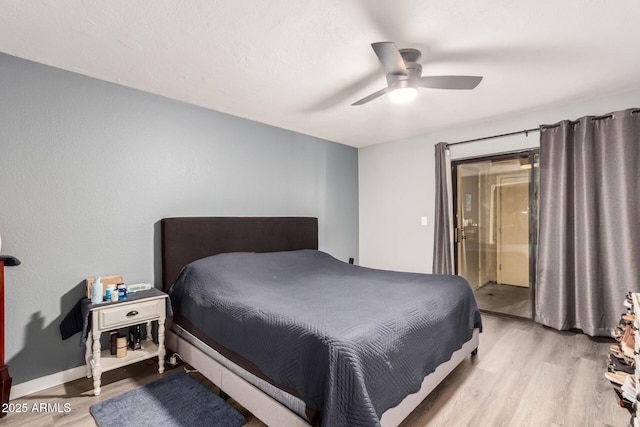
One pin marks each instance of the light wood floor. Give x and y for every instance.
(524, 375)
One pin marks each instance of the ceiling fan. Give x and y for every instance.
(404, 75)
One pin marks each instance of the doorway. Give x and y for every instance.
(495, 213)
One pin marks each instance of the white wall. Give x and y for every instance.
(397, 179)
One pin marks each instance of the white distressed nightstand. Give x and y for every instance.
(140, 307)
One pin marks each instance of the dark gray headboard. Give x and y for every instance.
(187, 239)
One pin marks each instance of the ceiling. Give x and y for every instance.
(299, 64)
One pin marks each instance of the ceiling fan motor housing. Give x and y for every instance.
(414, 70)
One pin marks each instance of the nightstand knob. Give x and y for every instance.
(132, 313)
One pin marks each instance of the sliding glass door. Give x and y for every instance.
(495, 214)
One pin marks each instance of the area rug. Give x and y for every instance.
(175, 400)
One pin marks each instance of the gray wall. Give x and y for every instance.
(88, 168)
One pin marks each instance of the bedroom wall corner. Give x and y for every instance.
(88, 168)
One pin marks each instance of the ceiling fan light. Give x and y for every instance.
(403, 95)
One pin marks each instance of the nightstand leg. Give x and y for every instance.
(87, 355)
(97, 371)
(161, 349)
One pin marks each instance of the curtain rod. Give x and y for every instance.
(526, 131)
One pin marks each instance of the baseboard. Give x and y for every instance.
(52, 380)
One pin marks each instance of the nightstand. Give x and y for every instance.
(139, 307)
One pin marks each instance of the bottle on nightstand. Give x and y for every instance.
(96, 291)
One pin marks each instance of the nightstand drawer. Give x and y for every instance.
(112, 318)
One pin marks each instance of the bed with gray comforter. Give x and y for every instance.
(350, 341)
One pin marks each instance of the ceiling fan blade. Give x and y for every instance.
(390, 56)
(371, 97)
(450, 82)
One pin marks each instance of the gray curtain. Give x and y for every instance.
(443, 221)
(589, 221)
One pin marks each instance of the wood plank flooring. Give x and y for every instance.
(524, 375)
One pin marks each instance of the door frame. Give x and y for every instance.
(533, 156)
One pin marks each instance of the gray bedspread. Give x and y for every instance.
(352, 341)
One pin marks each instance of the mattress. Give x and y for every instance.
(350, 342)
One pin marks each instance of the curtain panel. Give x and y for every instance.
(589, 221)
(443, 220)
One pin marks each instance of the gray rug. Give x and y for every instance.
(175, 400)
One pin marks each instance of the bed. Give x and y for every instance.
(299, 338)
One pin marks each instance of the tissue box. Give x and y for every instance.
(106, 280)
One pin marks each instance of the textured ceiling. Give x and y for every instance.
(299, 64)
